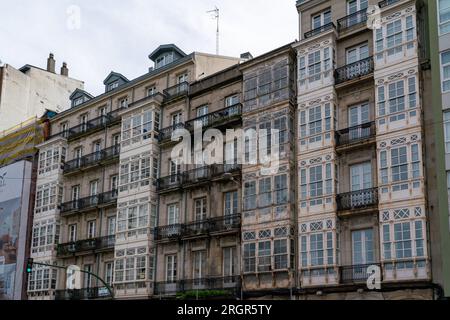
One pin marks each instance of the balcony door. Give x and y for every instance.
(93, 192)
(362, 249)
(358, 115)
(202, 113)
(321, 19)
(78, 154)
(354, 6)
(230, 207)
(96, 149)
(173, 214)
(357, 53)
(229, 265)
(361, 179)
(199, 268)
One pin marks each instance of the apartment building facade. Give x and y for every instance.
(96, 187)
(198, 234)
(362, 198)
(348, 200)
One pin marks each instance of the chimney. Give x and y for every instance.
(246, 56)
(51, 63)
(64, 70)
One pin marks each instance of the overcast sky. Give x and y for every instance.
(119, 34)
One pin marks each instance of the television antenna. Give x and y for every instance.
(216, 15)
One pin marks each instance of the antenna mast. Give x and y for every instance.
(216, 15)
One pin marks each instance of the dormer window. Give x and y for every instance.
(113, 86)
(78, 101)
(164, 60)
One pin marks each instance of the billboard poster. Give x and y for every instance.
(14, 201)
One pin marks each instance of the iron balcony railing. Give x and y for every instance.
(228, 283)
(354, 70)
(91, 125)
(82, 294)
(198, 228)
(169, 232)
(194, 176)
(356, 273)
(320, 30)
(197, 175)
(354, 19)
(71, 248)
(386, 3)
(179, 90)
(92, 159)
(357, 199)
(89, 202)
(216, 118)
(206, 226)
(166, 133)
(354, 134)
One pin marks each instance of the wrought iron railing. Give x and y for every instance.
(320, 30)
(166, 133)
(71, 248)
(92, 159)
(356, 273)
(91, 125)
(89, 202)
(229, 283)
(357, 199)
(354, 134)
(169, 232)
(197, 228)
(179, 90)
(216, 118)
(352, 20)
(354, 70)
(198, 175)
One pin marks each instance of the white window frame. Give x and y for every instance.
(444, 80)
(443, 23)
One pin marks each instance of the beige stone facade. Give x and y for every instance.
(342, 209)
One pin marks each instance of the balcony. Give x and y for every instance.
(217, 225)
(93, 159)
(355, 134)
(228, 285)
(88, 203)
(165, 134)
(82, 294)
(356, 274)
(90, 126)
(213, 225)
(386, 3)
(352, 20)
(195, 177)
(217, 118)
(360, 199)
(177, 91)
(173, 231)
(354, 70)
(317, 31)
(88, 245)
(198, 175)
